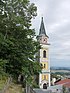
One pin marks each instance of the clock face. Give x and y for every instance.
(45, 40)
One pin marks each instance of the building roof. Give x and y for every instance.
(65, 82)
(42, 29)
(67, 85)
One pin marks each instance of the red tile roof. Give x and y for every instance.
(63, 81)
(67, 85)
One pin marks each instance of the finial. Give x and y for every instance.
(42, 18)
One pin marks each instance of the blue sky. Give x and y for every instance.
(56, 15)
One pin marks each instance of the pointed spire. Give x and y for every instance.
(42, 28)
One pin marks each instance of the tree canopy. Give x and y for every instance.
(17, 44)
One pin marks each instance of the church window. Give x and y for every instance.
(44, 65)
(41, 65)
(44, 76)
(44, 54)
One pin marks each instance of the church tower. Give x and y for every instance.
(44, 77)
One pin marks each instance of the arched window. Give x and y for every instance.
(44, 86)
(44, 76)
(44, 54)
(44, 65)
(41, 65)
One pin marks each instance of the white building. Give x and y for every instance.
(44, 77)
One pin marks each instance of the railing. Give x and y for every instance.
(29, 89)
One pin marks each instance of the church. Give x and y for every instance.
(43, 57)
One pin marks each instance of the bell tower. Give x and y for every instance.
(42, 38)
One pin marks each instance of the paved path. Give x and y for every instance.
(41, 91)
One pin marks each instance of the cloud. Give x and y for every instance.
(56, 15)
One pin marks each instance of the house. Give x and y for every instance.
(64, 83)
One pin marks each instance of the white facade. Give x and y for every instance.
(44, 71)
(44, 77)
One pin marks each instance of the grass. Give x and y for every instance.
(3, 79)
(14, 88)
(2, 83)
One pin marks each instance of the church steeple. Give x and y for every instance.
(42, 37)
(42, 29)
(43, 57)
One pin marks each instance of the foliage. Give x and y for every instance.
(2, 72)
(17, 45)
(64, 89)
(35, 85)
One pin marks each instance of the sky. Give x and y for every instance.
(56, 15)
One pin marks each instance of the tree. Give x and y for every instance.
(17, 46)
(64, 89)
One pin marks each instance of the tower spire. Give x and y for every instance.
(42, 28)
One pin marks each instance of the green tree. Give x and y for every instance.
(17, 45)
(64, 89)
